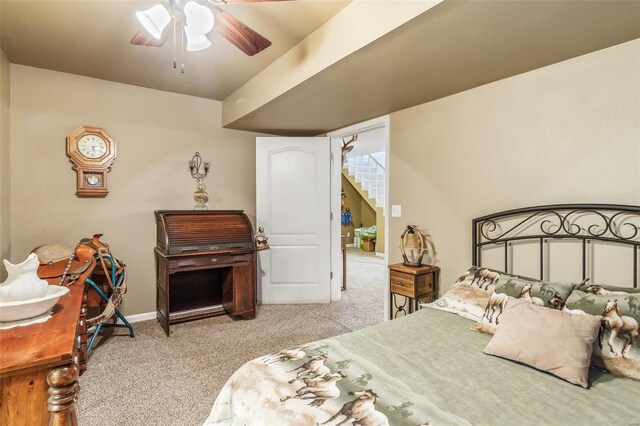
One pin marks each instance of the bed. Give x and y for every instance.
(428, 368)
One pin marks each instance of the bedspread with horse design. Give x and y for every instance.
(424, 369)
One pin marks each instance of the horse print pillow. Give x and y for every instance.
(468, 296)
(618, 346)
(541, 293)
(604, 289)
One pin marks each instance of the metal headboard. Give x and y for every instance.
(617, 224)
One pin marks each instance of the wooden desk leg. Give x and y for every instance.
(63, 392)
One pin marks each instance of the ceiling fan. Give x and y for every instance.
(197, 20)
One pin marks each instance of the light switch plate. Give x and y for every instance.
(396, 210)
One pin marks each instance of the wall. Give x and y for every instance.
(380, 231)
(353, 203)
(361, 211)
(156, 132)
(567, 133)
(369, 214)
(5, 158)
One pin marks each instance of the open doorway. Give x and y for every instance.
(360, 193)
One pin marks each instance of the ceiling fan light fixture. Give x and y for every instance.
(195, 41)
(200, 18)
(154, 20)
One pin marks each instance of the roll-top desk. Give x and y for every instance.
(205, 265)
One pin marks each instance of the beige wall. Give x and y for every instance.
(361, 211)
(5, 158)
(567, 133)
(156, 132)
(380, 230)
(369, 214)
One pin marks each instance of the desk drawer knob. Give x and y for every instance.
(400, 283)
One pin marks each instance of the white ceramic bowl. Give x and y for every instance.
(15, 311)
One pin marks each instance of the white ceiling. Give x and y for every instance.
(91, 38)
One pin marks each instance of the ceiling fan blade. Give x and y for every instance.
(241, 36)
(143, 38)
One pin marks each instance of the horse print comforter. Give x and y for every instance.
(424, 369)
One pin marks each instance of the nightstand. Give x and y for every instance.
(415, 284)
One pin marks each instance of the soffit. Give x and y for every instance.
(453, 47)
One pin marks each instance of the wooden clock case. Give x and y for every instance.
(86, 167)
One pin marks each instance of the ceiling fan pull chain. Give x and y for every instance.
(182, 50)
(175, 46)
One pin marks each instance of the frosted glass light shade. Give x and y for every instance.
(199, 18)
(411, 241)
(154, 20)
(195, 41)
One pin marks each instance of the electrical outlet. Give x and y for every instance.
(348, 234)
(396, 210)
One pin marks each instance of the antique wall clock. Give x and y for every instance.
(92, 151)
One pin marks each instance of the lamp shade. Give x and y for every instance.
(412, 241)
(154, 20)
(195, 41)
(413, 246)
(199, 18)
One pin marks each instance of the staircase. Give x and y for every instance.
(369, 173)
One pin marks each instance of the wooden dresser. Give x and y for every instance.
(40, 365)
(205, 265)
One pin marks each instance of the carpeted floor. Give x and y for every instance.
(155, 380)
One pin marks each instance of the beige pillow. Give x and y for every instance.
(550, 340)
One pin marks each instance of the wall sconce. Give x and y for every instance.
(200, 195)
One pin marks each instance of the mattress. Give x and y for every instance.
(427, 368)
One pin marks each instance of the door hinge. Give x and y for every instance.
(331, 216)
(331, 275)
(331, 156)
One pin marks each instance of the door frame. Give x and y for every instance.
(336, 173)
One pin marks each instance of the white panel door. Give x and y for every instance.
(293, 206)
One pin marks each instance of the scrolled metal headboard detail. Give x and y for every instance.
(618, 224)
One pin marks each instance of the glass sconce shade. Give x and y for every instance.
(154, 20)
(195, 41)
(199, 18)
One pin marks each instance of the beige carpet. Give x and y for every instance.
(155, 380)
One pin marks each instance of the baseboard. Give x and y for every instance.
(351, 245)
(140, 317)
(379, 254)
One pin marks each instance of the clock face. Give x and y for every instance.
(92, 146)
